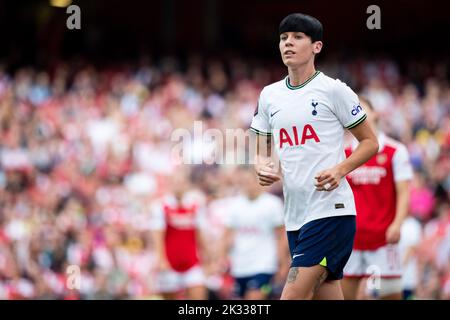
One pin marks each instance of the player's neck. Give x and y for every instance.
(178, 198)
(253, 195)
(299, 75)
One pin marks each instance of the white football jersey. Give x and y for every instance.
(254, 247)
(308, 124)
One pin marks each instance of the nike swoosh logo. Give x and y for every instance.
(297, 255)
(272, 114)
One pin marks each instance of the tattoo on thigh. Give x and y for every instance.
(319, 281)
(292, 274)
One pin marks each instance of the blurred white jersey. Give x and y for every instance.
(253, 222)
(308, 124)
(411, 235)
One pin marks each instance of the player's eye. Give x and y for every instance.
(283, 38)
(298, 36)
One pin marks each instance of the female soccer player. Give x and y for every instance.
(307, 113)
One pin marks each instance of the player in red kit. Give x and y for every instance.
(176, 224)
(381, 190)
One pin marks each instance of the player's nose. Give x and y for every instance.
(288, 42)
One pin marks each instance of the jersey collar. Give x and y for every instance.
(300, 85)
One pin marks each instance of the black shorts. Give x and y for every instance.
(258, 281)
(327, 242)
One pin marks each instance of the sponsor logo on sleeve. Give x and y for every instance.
(356, 110)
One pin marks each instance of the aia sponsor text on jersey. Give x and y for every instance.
(292, 137)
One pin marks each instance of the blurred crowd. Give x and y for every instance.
(85, 152)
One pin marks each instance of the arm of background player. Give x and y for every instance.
(158, 241)
(157, 227)
(204, 249)
(224, 250)
(367, 148)
(201, 238)
(267, 168)
(401, 212)
(284, 259)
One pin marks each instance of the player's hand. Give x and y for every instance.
(393, 233)
(328, 180)
(267, 174)
(222, 265)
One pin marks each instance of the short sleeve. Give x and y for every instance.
(201, 218)
(157, 218)
(260, 123)
(411, 232)
(346, 106)
(401, 165)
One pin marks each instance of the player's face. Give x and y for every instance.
(180, 183)
(297, 49)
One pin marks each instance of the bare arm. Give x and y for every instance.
(204, 248)
(223, 252)
(402, 189)
(267, 168)
(158, 241)
(367, 148)
(393, 231)
(227, 243)
(283, 253)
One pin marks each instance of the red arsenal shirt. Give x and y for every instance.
(373, 186)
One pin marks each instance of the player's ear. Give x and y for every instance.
(317, 47)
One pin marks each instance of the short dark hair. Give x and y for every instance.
(299, 22)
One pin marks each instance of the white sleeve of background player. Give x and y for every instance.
(201, 218)
(415, 233)
(260, 123)
(401, 165)
(411, 232)
(157, 218)
(346, 105)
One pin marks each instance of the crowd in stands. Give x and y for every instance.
(85, 151)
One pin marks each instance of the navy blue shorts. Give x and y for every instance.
(257, 281)
(327, 241)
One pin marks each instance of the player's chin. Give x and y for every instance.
(290, 62)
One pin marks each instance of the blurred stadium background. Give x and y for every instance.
(86, 117)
